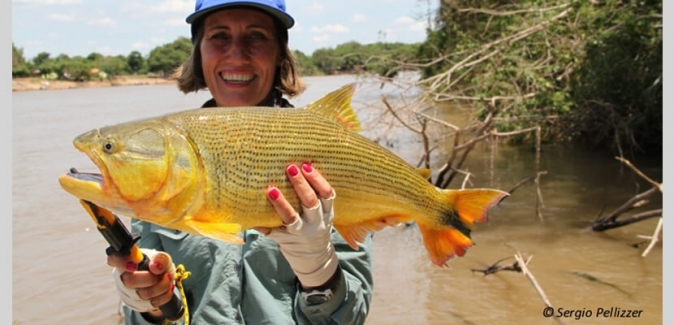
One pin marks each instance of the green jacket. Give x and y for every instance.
(253, 283)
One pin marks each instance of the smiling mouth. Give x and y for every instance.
(237, 78)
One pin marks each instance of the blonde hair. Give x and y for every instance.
(190, 76)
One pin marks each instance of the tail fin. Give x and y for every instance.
(450, 236)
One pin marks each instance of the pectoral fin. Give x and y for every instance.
(355, 233)
(221, 231)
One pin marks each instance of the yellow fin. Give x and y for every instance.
(222, 231)
(337, 106)
(443, 244)
(424, 172)
(449, 235)
(472, 204)
(355, 233)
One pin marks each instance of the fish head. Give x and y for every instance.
(148, 170)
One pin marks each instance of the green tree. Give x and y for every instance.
(94, 56)
(305, 65)
(135, 62)
(168, 57)
(326, 62)
(585, 71)
(40, 58)
(76, 68)
(20, 68)
(617, 86)
(113, 65)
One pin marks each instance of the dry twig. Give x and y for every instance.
(654, 238)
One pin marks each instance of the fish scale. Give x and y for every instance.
(218, 163)
(261, 156)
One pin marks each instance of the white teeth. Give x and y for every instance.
(241, 78)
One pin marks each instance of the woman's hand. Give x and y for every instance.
(304, 239)
(144, 291)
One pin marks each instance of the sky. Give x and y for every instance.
(81, 27)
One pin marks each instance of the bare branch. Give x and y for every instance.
(632, 203)
(611, 223)
(447, 124)
(514, 12)
(383, 99)
(515, 267)
(654, 238)
(629, 164)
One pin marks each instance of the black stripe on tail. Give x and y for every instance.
(451, 218)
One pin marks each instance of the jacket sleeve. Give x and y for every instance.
(351, 301)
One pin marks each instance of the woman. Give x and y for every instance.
(302, 273)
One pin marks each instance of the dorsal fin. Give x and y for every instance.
(424, 172)
(337, 106)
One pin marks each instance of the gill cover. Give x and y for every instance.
(136, 162)
(150, 159)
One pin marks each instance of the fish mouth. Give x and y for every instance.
(91, 187)
(87, 177)
(86, 186)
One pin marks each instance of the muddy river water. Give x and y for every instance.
(59, 275)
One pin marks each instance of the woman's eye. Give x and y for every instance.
(257, 36)
(220, 36)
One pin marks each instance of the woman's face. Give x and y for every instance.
(239, 56)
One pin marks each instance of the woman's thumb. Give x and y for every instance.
(160, 262)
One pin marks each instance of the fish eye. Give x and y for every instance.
(108, 146)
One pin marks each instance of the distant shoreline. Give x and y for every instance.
(24, 84)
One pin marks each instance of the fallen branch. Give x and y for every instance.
(513, 12)
(532, 279)
(611, 221)
(629, 164)
(520, 265)
(654, 238)
(524, 181)
(514, 267)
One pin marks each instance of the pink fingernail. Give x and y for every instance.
(169, 276)
(158, 266)
(173, 286)
(307, 168)
(131, 266)
(293, 171)
(273, 193)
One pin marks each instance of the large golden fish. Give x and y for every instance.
(206, 171)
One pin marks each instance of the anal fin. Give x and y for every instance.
(221, 231)
(443, 244)
(355, 233)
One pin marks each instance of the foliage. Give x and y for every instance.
(378, 58)
(583, 70)
(41, 58)
(166, 58)
(305, 65)
(136, 63)
(20, 68)
(618, 84)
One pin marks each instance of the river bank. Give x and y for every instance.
(23, 84)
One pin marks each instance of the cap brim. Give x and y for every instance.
(285, 19)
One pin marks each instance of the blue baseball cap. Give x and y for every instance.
(276, 8)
